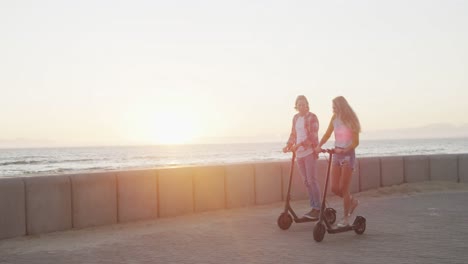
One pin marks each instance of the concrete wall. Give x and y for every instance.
(240, 185)
(48, 204)
(137, 196)
(208, 188)
(463, 168)
(416, 168)
(12, 207)
(51, 203)
(175, 189)
(369, 173)
(443, 168)
(94, 199)
(268, 183)
(392, 171)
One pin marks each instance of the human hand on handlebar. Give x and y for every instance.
(321, 150)
(317, 149)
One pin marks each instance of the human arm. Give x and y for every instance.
(292, 138)
(326, 136)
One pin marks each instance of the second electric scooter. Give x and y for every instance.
(322, 226)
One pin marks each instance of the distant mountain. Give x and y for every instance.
(440, 130)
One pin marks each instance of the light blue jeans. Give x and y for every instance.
(308, 169)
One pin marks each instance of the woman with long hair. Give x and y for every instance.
(346, 127)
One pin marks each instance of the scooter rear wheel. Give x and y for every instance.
(284, 221)
(319, 231)
(360, 225)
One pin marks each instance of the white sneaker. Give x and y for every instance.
(343, 223)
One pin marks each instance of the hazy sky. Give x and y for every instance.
(131, 72)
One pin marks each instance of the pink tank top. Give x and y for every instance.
(343, 134)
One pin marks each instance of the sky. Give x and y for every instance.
(77, 73)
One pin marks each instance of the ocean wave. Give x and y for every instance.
(57, 171)
(22, 162)
(71, 160)
(43, 162)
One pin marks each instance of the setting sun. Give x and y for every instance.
(171, 128)
(162, 127)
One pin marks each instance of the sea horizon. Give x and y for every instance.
(15, 162)
(216, 143)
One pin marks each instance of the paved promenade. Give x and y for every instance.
(410, 223)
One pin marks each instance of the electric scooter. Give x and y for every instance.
(322, 226)
(288, 215)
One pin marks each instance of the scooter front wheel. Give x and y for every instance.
(284, 221)
(330, 215)
(319, 231)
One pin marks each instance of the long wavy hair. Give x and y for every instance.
(346, 114)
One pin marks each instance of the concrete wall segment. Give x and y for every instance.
(175, 191)
(416, 168)
(392, 169)
(240, 185)
(12, 207)
(268, 183)
(94, 199)
(463, 168)
(48, 204)
(369, 173)
(137, 195)
(443, 168)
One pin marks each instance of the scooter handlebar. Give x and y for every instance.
(330, 151)
(290, 149)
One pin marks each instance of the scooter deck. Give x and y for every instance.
(305, 219)
(341, 229)
(358, 222)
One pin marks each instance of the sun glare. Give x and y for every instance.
(171, 128)
(163, 128)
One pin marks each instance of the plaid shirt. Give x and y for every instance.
(311, 125)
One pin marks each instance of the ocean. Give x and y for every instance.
(50, 161)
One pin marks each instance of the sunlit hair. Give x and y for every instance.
(346, 114)
(301, 97)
